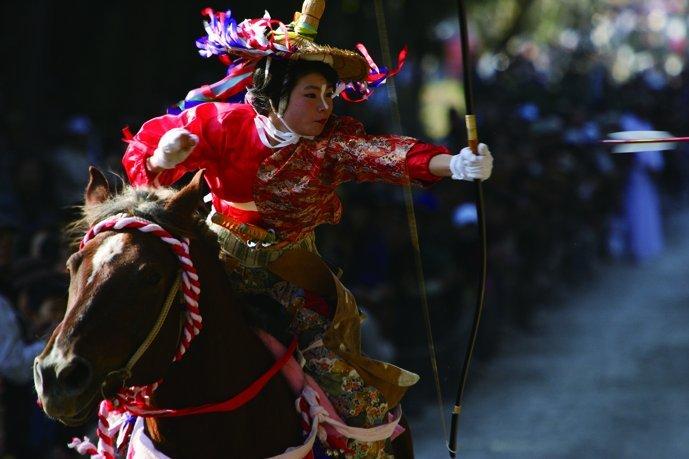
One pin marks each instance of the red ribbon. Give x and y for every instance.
(375, 77)
(235, 402)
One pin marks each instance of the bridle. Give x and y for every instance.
(118, 378)
(190, 285)
(135, 400)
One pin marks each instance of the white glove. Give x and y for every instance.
(468, 166)
(173, 148)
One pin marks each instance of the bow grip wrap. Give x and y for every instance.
(472, 132)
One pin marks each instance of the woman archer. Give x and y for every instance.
(272, 165)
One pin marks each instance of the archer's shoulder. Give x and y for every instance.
(347, 125)
(225, 110)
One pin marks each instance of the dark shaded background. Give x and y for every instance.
(74, 73)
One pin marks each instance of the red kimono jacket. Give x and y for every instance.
(294, 186)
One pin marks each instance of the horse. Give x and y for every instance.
(120, 281)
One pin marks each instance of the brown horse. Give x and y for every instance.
(119, 283)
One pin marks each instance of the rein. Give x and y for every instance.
(123, 374)
(231, 404)
(191, 288)
(134, 401)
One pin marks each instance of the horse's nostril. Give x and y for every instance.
(45, 377)
(75, 376)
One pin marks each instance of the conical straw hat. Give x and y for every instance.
(255, 38)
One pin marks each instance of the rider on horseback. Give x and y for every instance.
(272, 165)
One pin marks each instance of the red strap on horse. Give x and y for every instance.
(235, 402)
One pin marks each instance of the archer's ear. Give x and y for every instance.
(97, 190)
(187, 200)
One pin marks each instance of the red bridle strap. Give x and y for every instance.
(235, 402)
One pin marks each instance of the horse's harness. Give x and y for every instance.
(118, 378)
(135, 400)
(130, 402)
(188, 281)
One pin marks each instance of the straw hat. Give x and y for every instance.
(241, 45)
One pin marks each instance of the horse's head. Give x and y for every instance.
(119, 282)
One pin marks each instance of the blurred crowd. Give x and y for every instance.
(558, 206)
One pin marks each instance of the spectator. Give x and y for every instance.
(16, 356)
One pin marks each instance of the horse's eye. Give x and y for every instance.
(149, 275)
(73, 262)
(153, 278)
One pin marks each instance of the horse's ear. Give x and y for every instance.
(97, 191)
(187, 200)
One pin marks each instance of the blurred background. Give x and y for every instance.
(583, 345)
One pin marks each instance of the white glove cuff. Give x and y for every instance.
(456, 168)
(160, 160)
(169, 153)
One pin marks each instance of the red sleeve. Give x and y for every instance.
(388, 158)
(204, 120)
(418, 159)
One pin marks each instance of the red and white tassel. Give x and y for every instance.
(106, 441)
(84, 447)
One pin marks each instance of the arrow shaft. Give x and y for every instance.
(631, 141)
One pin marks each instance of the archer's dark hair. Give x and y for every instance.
(282, 78)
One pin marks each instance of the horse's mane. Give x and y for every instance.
(143, 202)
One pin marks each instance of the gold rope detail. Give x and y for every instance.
(411, 216)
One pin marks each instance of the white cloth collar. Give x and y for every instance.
(268, 132)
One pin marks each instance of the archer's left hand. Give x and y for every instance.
(468, 166)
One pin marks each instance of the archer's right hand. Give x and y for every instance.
(173, 148)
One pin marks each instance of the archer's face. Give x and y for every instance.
(310, 105)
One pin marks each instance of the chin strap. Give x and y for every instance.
(271, 136)
(267, 131)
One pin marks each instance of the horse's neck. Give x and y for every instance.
(223, 359)
(226, 356)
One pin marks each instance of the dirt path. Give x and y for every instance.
(606, 375)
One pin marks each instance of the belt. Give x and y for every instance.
(249, 244)
(245, 231)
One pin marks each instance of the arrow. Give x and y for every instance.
(635, 141)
